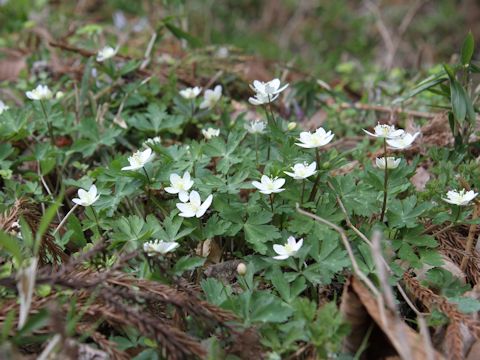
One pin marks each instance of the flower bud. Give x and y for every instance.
(291, 125)
(241, 269)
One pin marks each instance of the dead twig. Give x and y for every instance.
(389, 110)
(356, 268)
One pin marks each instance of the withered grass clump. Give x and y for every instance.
(23, 208)
(111, 300)
(453, 339)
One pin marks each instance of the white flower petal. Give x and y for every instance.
(281, 257)
(171, 190)
(183, 196)
(195, 198)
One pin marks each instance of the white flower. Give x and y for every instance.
(211, 97)
(159, 247)
(313, 140)
(180, 185)
(403, 142)
(210, 132)
(41, 92)
(139, 159)
(190, 93)
(59, 95)
(3, 107)
(260, 99)
(268, 185)
(195, 206)
(302, 171)
(266, 92)
(461, 197)
(271, 87)
(86, 198)
(290, 248)
(385, 131)
(256, 127)
(392, 163)
(152, 141)
(222, 52)
(106, 53)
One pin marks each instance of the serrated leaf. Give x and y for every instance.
(267, 307)
(216, 226)
(465, 304)
(404, 213)
(257, 232)
(187, 263)
(215, 291)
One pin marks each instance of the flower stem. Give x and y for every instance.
(146, 174)
(49, 125)
(303, 192)
(271, 201)
(65, 219)
(274, 121)
(96, 219)
(148, 187)
(317, 179)
(256, 150)
(269, 121)
(385, 182)
(192, 106)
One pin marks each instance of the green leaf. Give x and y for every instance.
(11, 246)
(458, 101)
(74, 225)
(180, 34)
(45, 222)
(405, 213)
(171, 228)
(281, 285)
(216, 226)
(155, 120)
(215, 291)
(415, 237)
(330, 259)
(358, 198)
(130, 231)
(34, 322)
(148, 354)
(466, 304)
(257, 232)
(187, 263)
(467, 49)
(87, 72)
(426, 84)
(430, 257)
(27, 234)
(449, 70)
(266, 307)
(8, 323)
